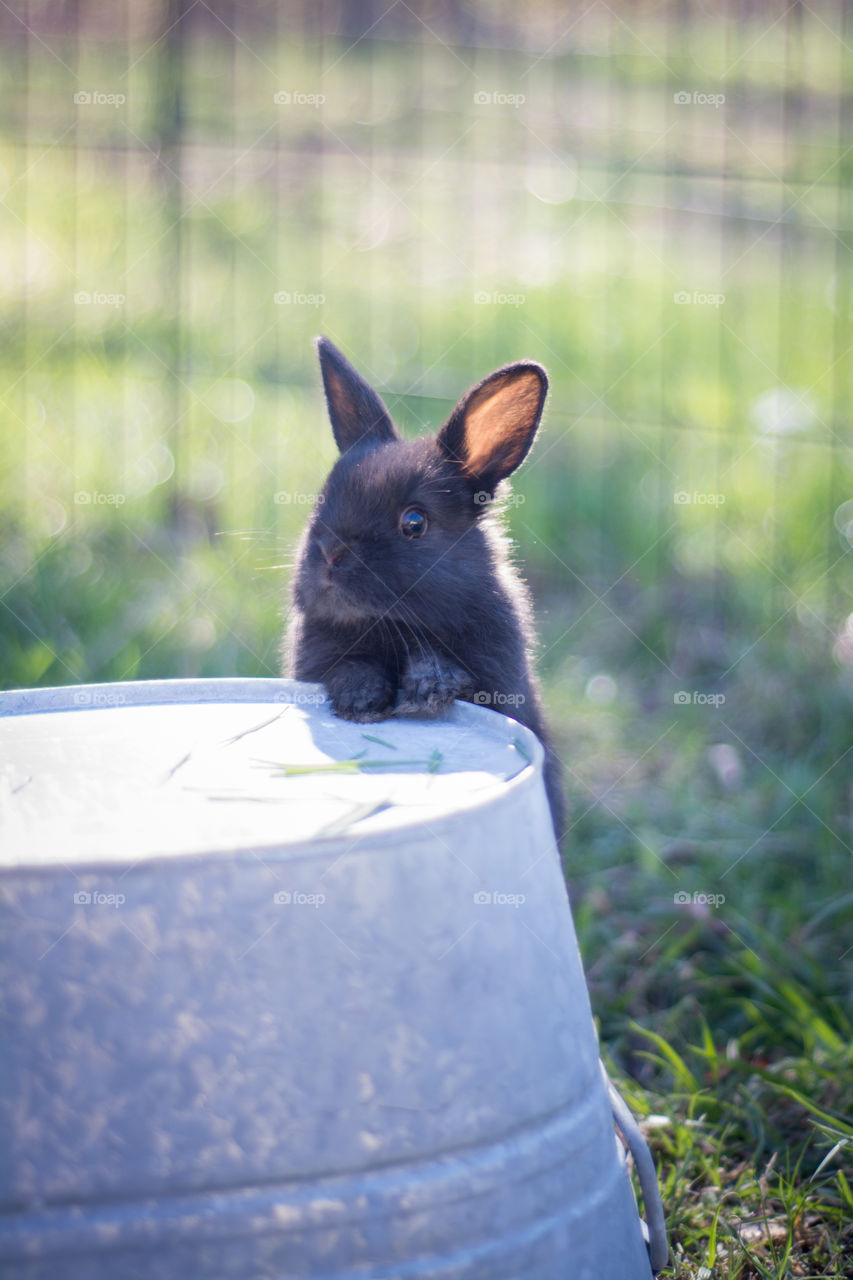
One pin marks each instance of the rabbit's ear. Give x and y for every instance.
(356, 412)
(492, 427)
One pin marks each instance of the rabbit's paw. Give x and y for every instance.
(363, 694)
(429, 685)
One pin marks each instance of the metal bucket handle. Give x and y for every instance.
(654, 1226)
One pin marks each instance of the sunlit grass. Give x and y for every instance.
(161, 453)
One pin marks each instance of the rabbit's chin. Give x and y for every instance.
(333, 604)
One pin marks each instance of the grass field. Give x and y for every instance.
(683, 270)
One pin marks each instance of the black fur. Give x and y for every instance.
(395, 624)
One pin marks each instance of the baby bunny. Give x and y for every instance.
(404, 597)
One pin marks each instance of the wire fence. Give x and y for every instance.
(655, 201)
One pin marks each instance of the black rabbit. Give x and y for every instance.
(404, 597)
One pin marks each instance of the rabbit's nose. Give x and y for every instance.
(333, 551)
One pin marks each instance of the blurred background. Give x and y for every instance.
(653, 199)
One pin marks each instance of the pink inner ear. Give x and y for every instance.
(499, 421)
(340, 398)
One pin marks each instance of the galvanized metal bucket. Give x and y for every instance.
(291, 997)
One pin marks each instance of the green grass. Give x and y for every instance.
(188, 419)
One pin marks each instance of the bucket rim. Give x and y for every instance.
(259, 690)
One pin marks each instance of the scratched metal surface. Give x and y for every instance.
(368, 1053)
(191, 774)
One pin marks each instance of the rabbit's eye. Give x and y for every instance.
(413, 523)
